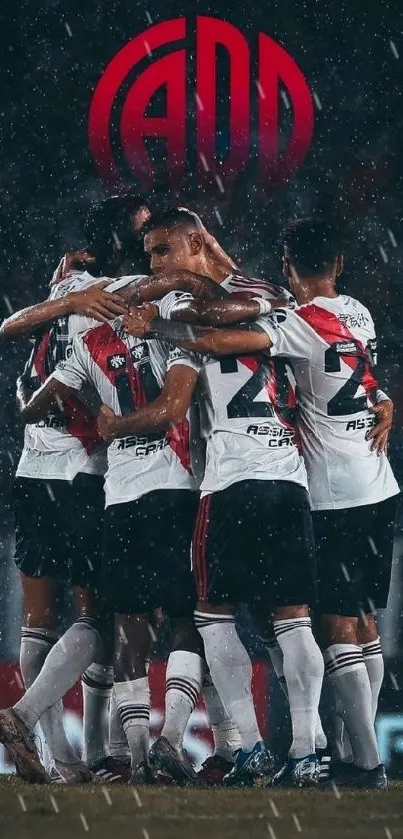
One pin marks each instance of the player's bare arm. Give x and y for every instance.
(162, 283)
(93, 302)
(379, 434)
(139, 320)
(24, 393)
(245, 339)
(168, 410)
(51, 396)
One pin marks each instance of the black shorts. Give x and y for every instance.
(253, 543)
(59, 528)
(146, 558)
(354, 553)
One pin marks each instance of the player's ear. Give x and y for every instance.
(196, 242)
(339, 265)
(286, 268)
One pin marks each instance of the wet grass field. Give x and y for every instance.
(108, 812)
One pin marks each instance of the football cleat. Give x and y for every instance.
(298, 772)
(70, 773)
(172, 761)
(213, 770)
(250, 767)
(143, 775)
(349, 776)
(108, 770)
(20, 743)
(324, 763)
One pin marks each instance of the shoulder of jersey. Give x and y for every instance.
(256, 287)
(73, 282)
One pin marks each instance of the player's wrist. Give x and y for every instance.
(70, 304)
(265, 306)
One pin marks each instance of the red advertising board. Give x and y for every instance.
(198, 740)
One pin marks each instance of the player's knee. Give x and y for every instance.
(367, 629)
(339, 629)
(186, 636)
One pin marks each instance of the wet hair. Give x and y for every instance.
(169, 217)
(312, 245)
(109, 223)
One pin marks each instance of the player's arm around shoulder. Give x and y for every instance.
(65, 381)
(50, 397)
(168, 410)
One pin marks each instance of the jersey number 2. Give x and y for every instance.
(345, 401)
(243, 403)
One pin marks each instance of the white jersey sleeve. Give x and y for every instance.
(331, 344)
(178, 357)
(288, 334)
(74, 371)
(60, 446)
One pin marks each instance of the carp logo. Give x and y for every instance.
(176, 65)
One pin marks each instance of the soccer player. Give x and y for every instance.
(151, 502)
(180, 691)
(330, 341)
(58, 536)
(252, 541)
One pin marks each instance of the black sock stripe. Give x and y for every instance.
(343, 656)
(187, 690)
(128, 717)
(208, 619)
(92, 683)
(92, 623)
(30, 634)
(292, 628)
(333, 668)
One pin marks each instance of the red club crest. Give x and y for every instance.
(119, 126)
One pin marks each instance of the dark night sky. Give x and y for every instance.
(353, 171)
(48, 78)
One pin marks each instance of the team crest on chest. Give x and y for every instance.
(139, 352)
(117, 362)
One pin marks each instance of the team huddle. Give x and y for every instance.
(196, 440)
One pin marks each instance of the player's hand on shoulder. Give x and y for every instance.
(379, 434)
(137, 321)
(107, 423)
(95, 302)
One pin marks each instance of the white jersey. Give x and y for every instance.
(61, 445)
(329, 343)
(128, 373)
(247, 407)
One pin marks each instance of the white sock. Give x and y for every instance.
(226, 737)
(63, 666)
(231, 671)
(303, 672)
(277, 658)
(97, 683)
(373, 660)
(184, 676)
(347, 675)
(133, 701)
(36, 644)
(118, 745)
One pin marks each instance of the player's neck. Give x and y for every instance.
(212, 269)
(306, 289)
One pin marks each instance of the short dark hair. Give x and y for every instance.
(170, 217)
(312, 244)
